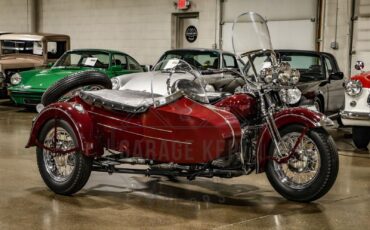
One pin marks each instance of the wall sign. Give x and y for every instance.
(191, 34)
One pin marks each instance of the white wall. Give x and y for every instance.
(271, 9)
(13, 16)
(341, 27)
(290, 21)
(142, 28)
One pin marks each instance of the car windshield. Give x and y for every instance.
(309, 65)
(200, 60)
(96, 59)
(21, 47)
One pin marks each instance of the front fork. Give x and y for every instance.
(274, 131)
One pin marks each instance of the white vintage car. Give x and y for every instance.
(356, 111)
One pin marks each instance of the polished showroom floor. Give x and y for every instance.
(126, 201)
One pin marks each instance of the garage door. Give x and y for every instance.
(361, 35)
(289, 29)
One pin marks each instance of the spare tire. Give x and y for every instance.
(84, 80)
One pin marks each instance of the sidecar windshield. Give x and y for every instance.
(169, 80)
(250, 33)
(177, 77)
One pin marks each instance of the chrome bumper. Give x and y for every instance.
(354, 115)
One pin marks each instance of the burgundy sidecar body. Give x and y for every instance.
(180, 131)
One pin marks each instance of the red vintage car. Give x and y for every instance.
(356, 112)
(165, 121)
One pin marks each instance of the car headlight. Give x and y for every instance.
(15, 79)
(353, 87)
(115, 83)
(296, 75)
(290, 96)
(266, 75)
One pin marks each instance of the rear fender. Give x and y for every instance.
(77, 117)
(283, 118)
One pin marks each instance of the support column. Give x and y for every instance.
(32, 16)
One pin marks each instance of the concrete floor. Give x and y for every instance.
(125, 202)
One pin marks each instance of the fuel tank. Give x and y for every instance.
(243, 106)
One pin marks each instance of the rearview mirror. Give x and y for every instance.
(116, 68)
(336, 76)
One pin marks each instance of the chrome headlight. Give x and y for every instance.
(290, 96)
(15, 79)
(266, 75)
(296, 75)
(115, 83)
(353, 87)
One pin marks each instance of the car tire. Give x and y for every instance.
(74, 82)
(360, 136)
(48, 163)
(319, 105)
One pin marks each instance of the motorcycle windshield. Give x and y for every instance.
(175, 78)
(250, 33)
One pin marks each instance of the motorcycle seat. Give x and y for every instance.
(129, 101)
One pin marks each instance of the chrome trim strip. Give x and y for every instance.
(148, 127)
(355, 115)
(156, 138)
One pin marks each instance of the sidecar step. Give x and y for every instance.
(223, 173)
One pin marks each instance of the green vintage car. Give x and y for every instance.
(28, 86)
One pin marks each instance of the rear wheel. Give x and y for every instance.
(70, 86)
(63, 173)
(311, 172)
(360, 136)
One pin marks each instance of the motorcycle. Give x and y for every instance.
(167, 123)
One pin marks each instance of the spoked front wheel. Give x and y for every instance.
(311, 171)
(63, 170)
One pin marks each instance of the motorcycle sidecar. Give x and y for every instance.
(162, 129)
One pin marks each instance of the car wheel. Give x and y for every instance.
(64, 173)
(69, 86)
(360, 136)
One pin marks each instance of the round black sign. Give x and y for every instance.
(191, 33)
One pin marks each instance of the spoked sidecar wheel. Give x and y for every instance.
(309, 174)
(69, 86)
(63, 173)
